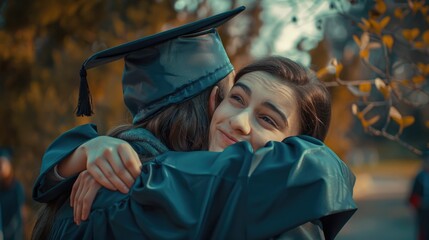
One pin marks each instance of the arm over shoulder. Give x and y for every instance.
(44, 189)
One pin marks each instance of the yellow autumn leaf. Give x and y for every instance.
(423, 68)
(407, 121)
(405, 82)
(373, 120)
(374, 26)
(357, 40)
(380, 6)
(383, 88)
(427, 124)
(374, 45)
(355, 109)
(365, 25)
(415, 5)
(398, 13)
(379, 83)
(366, 123)
(388, 41)
(384, 22)
(364, 40)
(377, 27)
(424, 10)
(410, 34)
(364, 53)
(395, 115)
(322, 72)
(338, 70)
(425, 37)
(419, 79)
(419, 44)
(365, 87)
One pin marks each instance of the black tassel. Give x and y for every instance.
(84, 105)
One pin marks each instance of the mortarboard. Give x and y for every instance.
(165, 68)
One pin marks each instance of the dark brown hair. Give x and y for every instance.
(313, 99)
(181, 127)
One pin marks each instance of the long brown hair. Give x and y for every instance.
(181, 127)
(314, 102)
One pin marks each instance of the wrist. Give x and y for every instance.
(73, 164)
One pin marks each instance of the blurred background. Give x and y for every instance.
(373, 55)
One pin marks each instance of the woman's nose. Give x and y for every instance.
(241, 123)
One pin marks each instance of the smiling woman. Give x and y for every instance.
(273, 98)
(293, 187)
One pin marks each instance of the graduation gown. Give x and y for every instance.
(12, 200)
(235, 194)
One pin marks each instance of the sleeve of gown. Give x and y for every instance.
(224, 196)
(207, 195)
(45, 189)
(303, 178)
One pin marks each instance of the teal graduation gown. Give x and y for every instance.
(236, 194)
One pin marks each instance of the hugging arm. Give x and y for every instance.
(112, 161)
(46, 189)
(198, 195)
(296, 181)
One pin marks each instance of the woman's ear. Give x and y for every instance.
(213, 100)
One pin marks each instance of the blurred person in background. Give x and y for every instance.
(419, 198)
(12, 199)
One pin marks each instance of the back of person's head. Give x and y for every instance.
(314, 102)
(6, 170)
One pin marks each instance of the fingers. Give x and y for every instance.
(99, 176)
(111, 176)
(85, 189)
(113, 163)
(119, 168)
(87, 200)
(74, 190)
(130, 160)
(75, 199)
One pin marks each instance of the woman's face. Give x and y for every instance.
(5, 168)
(259, 108)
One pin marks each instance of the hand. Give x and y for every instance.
(112, 162)
(83, 193)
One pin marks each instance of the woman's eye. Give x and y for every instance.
(269, 121)
(237, 98)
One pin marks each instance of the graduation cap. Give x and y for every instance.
(165, 68)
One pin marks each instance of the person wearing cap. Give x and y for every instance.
(11, 199)
(221, 175)
(419, 198)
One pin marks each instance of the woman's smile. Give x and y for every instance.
(226, 138)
